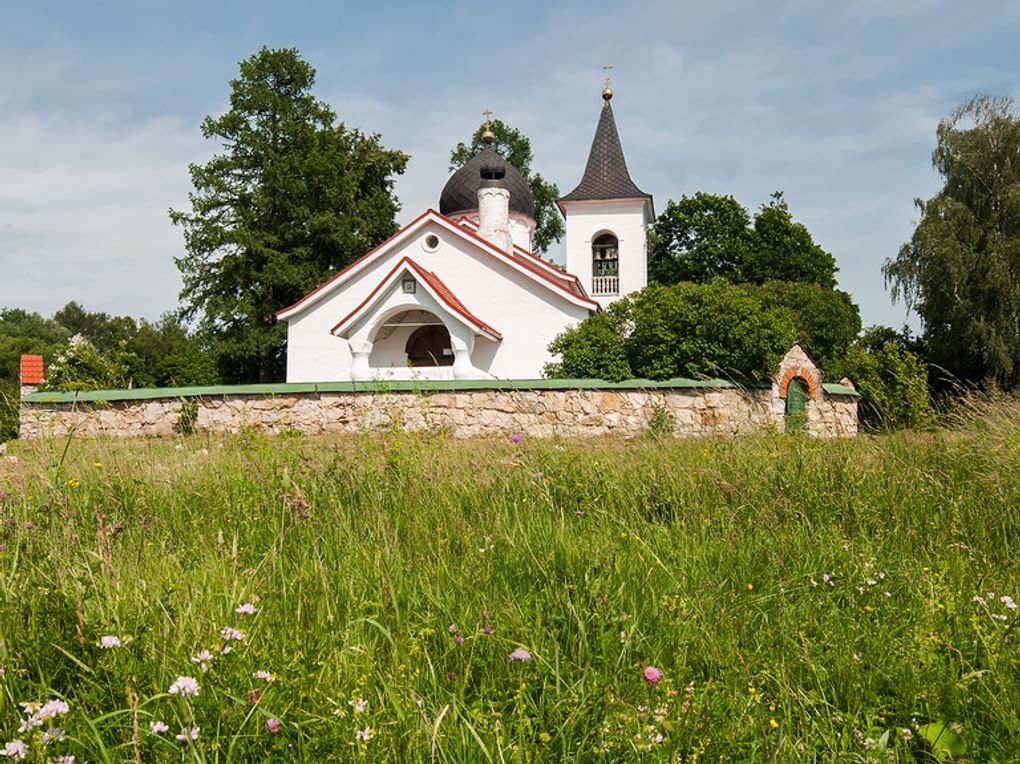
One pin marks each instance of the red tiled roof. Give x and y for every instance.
(442, 292)
(31, 369)
(566, 283)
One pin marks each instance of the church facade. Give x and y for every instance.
(458, 294)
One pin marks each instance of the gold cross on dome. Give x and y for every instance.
(488, 117)
(606, 68)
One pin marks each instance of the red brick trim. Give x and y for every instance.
(810, 376)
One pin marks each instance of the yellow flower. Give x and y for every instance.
(773, 723)
(750, 587)
(97, 465)
(544, 737)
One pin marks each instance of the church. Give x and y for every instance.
(458, 293)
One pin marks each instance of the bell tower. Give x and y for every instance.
(606, 217)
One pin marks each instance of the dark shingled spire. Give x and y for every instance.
(605, 175)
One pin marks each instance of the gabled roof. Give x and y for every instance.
(568, 279)
(565, 285)
(605, 175)
(433, 285)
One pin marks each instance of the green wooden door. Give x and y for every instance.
(796, 400)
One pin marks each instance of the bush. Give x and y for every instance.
(893, 383)
(684, 330)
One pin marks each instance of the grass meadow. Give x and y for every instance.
(415, 598)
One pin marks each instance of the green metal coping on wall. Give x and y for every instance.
(393, 386)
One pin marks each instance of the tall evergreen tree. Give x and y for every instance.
(292, 197)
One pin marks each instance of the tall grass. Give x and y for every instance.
(804, 600)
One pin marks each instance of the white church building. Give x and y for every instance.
(458, 294)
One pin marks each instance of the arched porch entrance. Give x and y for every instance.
(411, 338)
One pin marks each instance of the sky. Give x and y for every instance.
(835, 104)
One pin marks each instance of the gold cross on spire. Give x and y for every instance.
(607, 91)
(487, 135)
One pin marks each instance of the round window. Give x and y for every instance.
(430, 243)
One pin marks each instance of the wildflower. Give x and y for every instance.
(229, 633)
(226, 649)
(459, 639)
(358, 704)
(52, 734)
(1000, 617)
(265, 676)
(187, 733)
(520, 654)
(871, 581)
(15, 749)
(203, 659)
(773, 723)
(452, 628)
(109, 642)
(185, 686)
(1006, 600)
(272, 725)
(487, 629)
(750, 587)
(246, 609)
(652, 674)
(516, 438)
(365, 734)
(65, 759)
(158, 728)
(655, 738)
(254, 696)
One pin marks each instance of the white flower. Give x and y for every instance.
(246, 609)
(15, 749)
(185, 686)
(230, 633)
(358, 704)
(1006, 600)
(203, 659)
(365, 734)
(980, 600)
(52, 734)
(187, 733)
(66, 759)
(158, 727)
(265, 676)
(53, 708)
(109, 642)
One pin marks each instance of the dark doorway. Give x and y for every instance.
(429, 346)
(796, 405)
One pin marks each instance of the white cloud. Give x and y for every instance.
(83, 213)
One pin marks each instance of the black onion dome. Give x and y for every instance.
(460, 194)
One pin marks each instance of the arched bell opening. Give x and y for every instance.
(605, 264)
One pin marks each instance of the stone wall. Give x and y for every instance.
(464, 413)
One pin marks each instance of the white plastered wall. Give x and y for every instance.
(627, 220)
(527, 314)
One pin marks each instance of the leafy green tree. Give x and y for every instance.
(704, 237)
(827, 320)
(515, 148)
(80, 365)
(292, 198)
(684, 330)
(892, 381)
(960, 271)
(594, 349)
(700, 238)
(21, 333)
